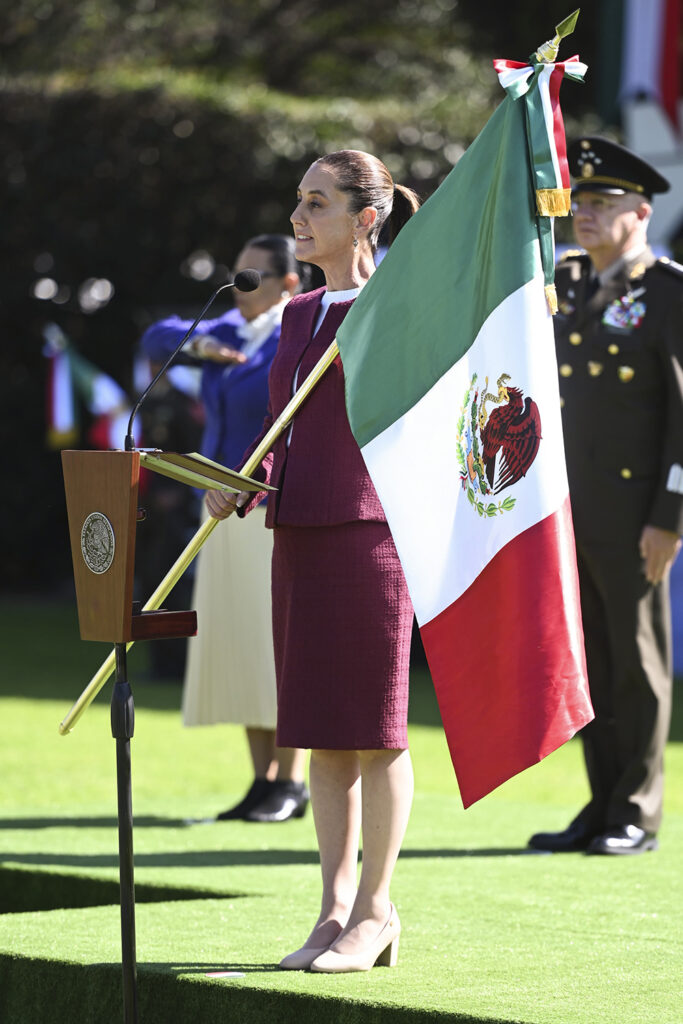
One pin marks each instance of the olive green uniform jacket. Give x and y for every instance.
(620, 360)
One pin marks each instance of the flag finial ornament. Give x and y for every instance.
(547, 53)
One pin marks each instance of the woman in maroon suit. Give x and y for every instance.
(342, 616)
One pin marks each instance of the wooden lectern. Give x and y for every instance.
(102, 506)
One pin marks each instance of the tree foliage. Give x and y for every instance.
(299, 46)
(136, 133)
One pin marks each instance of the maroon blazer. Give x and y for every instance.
(321, 477)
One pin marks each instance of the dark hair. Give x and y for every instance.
(282, 258)
(368, 182)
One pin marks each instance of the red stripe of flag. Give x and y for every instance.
(511, 641)
(558, 123)
(670, 58)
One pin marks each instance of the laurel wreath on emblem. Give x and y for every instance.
(97, 542)
(496, 449)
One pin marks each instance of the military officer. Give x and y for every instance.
(619, 337)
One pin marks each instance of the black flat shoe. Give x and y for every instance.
(575, 837)
(285, 800)
(625, 839)
(258, 791)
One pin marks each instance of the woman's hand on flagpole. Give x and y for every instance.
(221, 504)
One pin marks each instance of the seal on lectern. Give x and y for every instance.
(97, 542)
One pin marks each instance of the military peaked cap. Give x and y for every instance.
(600, 165)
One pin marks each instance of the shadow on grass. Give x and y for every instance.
(24, 890)
(236, 858)
(176, 968)
(29, 824)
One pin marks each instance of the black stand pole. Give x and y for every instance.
(122, 727)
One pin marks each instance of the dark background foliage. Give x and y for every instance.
(136, 133)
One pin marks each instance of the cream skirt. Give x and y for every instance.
(230, 674)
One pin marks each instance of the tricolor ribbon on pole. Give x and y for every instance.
(537, 86)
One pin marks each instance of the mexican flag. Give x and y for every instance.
(60, 406)
(651, 53)
(72, 379)
(452, 396)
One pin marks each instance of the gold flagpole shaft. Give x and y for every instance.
(180, 565)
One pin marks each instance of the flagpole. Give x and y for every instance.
(201, 536)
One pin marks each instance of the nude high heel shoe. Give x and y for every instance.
(301, 959)
(382, 952)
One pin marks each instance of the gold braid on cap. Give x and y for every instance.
(601, 179)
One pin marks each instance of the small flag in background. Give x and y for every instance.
(651, 53)
(452, 396)
(73, 379)
(60, 406)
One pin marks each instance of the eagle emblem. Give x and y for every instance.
(98, 542)
(495, 448)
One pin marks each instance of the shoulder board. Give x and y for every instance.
(666, 264)
(571, 254)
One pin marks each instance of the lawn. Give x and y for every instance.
(491, 931)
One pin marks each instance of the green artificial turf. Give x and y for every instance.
(491, 931)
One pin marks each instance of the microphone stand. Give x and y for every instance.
(122, 728)
(130, 440)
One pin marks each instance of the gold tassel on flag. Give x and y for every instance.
(551, 298)
(553, 202)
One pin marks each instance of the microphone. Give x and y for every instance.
(245, 281)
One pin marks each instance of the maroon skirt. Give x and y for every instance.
(342, 623)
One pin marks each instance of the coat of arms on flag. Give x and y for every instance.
(495, 448)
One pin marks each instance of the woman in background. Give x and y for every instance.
(230, 675)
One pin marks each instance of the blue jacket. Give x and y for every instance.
(236, 401)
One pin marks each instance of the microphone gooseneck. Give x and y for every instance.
(245, 281)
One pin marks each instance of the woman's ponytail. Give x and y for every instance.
(406, 203)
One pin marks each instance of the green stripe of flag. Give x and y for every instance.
(474, 242)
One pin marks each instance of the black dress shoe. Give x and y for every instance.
(258, 791)
(285, 800)
(575, 837)
(624, 839)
